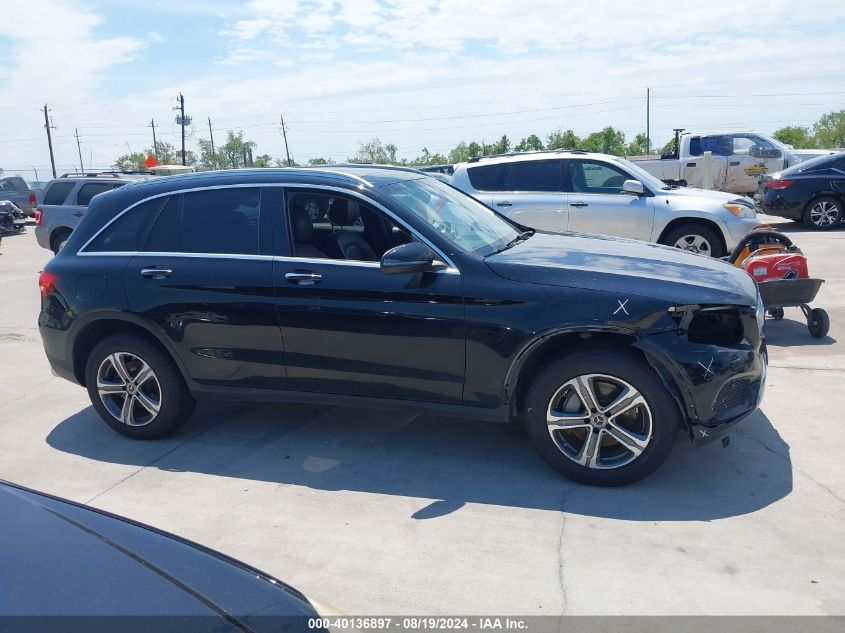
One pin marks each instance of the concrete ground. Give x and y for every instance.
(399, 513)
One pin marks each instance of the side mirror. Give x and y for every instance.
(634, 187)
(412, 257)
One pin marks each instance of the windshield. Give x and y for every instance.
(466, 223)
(641, 174)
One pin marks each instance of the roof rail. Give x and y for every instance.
(113, 174)
(371, 166)
(476, 159)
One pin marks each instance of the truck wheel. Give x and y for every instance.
(823, 213)
(59, 240)
(136, 389)
(602, 418)
(695, 238)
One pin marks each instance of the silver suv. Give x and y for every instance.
(65, 201)
(570, 190)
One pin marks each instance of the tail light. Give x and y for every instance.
(33, 200)
(47, 283)
(778, 184)
(38, 217)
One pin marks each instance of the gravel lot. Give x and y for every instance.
(399, 513)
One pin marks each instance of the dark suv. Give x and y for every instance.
(386, 287)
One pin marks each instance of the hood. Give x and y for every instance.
(600, 263)
(798, 155)
(63, 559)
(710, 195)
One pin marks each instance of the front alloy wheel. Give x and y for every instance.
(694, 244)
(129, 389)
(601, 416)
(599, 421)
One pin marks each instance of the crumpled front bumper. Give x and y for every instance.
(717, 387)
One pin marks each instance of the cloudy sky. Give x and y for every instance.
(417, 73)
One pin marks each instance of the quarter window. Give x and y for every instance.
(486, 177)
(57, 192)
(126, 232)
(91, 189)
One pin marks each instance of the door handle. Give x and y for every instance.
(156, 273)
(77, 214)
(504, 203)
(578, 204)
(734, 163)
(690, 164)
(304, 278)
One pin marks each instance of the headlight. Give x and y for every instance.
(740, 210)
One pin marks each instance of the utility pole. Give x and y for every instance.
(243, 149)
(213, 155)
(182, 120)
(648, 120)
(155, 145)
(36, 172)
(49, 139)
(79, 148)
(249, 153)
(285, 136)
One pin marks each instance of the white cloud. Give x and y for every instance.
(155, 37)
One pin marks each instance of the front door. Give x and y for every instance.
(598, 205)
(204, 278)
(532, 194)
(348, 327)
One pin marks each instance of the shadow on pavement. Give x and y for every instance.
(792, 331)
(444, 462)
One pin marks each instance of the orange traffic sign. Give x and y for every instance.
(151, 161)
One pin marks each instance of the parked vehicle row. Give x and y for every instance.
(400, 291)
(565, 190)
(738, 160)
(16, 190)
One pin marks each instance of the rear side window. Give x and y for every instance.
(126, 232)
(536, 175)
(91, 189)
(215, 221)
(57, 192)
(487, 177)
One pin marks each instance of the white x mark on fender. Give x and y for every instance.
(707, 369)
(622, 306)
(703, 432)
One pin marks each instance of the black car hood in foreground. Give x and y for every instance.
(61, 559)
(596, 262)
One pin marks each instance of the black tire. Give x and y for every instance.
(776, 314)
(818, 323)
(694, 229)
(831, 207)
(550, 379)
(59, 239)
(176, 402)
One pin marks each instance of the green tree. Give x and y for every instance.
(829, 130)
(427, 158)
(233, 151)
(502, 146)
(209, 160)
(608, 141)
(167, 155)
(639, 146)
(262, 160)
(531, 143)
(374, 151)
(320, 161)
(560, 139)
(797, 136)
(131, 162)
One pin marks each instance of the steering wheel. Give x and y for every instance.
(446, 229)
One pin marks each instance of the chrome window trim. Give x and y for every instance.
(451, 268)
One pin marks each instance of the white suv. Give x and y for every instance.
(570, 190)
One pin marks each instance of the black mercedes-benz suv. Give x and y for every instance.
(383, 286)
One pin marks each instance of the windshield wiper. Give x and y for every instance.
(519, 238)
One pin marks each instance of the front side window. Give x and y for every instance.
(57, 192)
(461, 219)
(535, 175)
(326, 225)
(219, 221)
(124, 235)
(588, 176)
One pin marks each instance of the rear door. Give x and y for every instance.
(203, 278)
(84, 193)
(532, 194)
(598, 205)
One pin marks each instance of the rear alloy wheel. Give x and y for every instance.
(695, 238)
(59, 242)
(823, 213)
(601, 418)
(136, 389)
